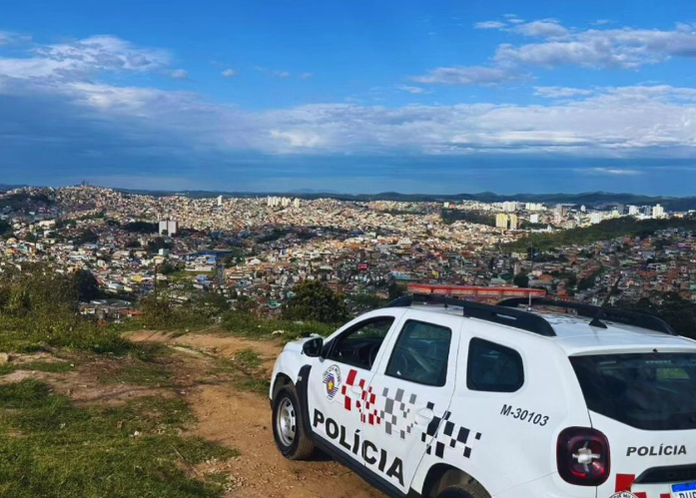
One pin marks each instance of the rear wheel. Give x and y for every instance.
(457, 484)
(455, 492)
(288, 431)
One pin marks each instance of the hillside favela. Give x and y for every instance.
(249, 252)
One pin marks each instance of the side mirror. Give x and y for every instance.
(313, 347)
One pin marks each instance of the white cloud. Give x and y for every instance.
(417, 90)
(625, 48)
(276, 73)
(469, 75)
(5, 38)
(614, 171)
(542, 29)
(11, 38)
(637, 121)
(180, 74)
(559, 92)
(614, 122)
(229, 73)
(490, 25)
(306, 76)
(83, 57)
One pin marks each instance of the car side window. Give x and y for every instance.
(421, 353)
(359, 345)
(494, 368)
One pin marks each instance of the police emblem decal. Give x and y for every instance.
(332, 381)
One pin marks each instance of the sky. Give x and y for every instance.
(436, 96)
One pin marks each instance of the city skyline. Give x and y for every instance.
(352, 98)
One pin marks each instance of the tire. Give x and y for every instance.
(454, 492)
(288, 431)
(460, 492)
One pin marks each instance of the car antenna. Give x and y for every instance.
(596, 322)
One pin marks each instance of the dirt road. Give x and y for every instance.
(241, 420)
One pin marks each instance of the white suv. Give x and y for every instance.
(439, 397)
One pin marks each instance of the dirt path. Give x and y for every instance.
(241, 420)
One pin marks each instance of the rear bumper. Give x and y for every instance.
(550, 486)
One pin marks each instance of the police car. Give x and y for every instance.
(446, 398)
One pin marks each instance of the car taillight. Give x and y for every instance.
(583, 456)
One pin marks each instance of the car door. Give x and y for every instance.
(338, 381)
(409, 396)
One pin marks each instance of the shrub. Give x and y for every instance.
(314, 301)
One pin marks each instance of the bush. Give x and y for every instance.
(39, 306)
(248, 325)
(314, 301)
(671, 307)
(159, 312)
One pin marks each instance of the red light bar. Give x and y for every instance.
(475, 292)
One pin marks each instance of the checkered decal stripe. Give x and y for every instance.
(396, 413)
(451, 435)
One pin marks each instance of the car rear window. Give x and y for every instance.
(653, 391)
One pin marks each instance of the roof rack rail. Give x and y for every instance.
(626, 317)
(491, 313)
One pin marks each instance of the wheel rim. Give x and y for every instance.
(286, 422)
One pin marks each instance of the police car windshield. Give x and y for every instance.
(655, 391)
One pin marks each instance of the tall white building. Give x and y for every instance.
(219, 201)
(658, 211)
(534, 206)
(596, 217)
(168, 227)
(509, 206)
(514, 222)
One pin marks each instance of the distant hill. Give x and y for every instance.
(4, 187)
(590, 199)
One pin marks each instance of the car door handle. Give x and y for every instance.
(357, 390)
(424, 416)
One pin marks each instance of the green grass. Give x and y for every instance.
(248, 358)
(27, 335)
(139, 373)
(38, 366)
(244, 371)
(248, 325)
(50, 448)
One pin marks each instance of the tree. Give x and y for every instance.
(5, 228)
(396, 290)
(87, 236)
(314, 301)
(671, 307)
(521, 280)
(86, 285)
(167, 269)
(156, 244)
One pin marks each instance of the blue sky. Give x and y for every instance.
(360, 96)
